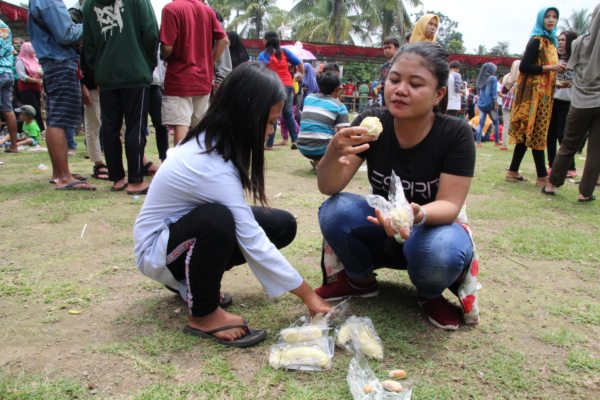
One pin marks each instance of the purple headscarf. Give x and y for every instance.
(310, 80)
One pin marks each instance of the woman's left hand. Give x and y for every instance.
(386, 222)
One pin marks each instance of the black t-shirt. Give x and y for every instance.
(447, 148)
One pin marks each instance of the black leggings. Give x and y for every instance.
(162, 135)
(202, 246)
(558, 120)
(538, 158)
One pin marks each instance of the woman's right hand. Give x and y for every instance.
(312, 301)
(555, 67)
(353, 140)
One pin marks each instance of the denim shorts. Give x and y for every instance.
(6, 90)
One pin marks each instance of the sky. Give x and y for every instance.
(489, 22)
(483, 22)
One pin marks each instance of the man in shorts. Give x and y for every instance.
(53, 35)
(188, 30)
(6, 85)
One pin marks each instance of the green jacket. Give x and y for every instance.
(120, 42)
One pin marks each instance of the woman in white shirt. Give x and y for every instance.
(195, 223)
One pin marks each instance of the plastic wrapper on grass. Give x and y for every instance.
(304, 330)
(364, 385)
(358, 335)
(397, 208)
(315, 355)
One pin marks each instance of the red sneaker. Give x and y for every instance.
(340, 287)
(441, 313)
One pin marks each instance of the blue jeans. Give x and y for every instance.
(71, 143)
(434, 256)
(288, 118)
(482, 117)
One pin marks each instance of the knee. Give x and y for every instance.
(218, 223)
(338, 210)
(432, 253)
(287, 228)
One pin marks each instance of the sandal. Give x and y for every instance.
(516, 178)
(79, 177)
(251, 338)
(118, 188)
(587, 199)
(100, 172)
(546, 192)
(146, 169)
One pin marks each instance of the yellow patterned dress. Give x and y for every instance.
(532, 107)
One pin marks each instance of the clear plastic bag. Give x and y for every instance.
(364, 385)
(397, 208)
(358, 334)
(304, 330)
(315, 355)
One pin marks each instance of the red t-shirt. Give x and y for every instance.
(190, 26)
(349, 89)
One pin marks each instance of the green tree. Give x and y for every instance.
(325, 21)
(389, 16)
(456, 46)
(447, 32)
(578, 22)
(499, 50)
(481, 50)
(253, 17)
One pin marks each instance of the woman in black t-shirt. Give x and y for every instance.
(434, 155)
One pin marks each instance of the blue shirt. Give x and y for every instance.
(6, 49)
(487, 97)
(52, 40)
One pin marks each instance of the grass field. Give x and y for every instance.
(540, 303)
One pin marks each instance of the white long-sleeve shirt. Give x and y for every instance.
(187, 179)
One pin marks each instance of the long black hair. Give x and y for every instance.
(236, 121)
(569, 36)
(436, 59)
(272, 44)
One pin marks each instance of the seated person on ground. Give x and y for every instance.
(434, 156)
(322, 116)
(195, 223)
(30, 136)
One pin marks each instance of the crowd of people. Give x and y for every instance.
(111, 57)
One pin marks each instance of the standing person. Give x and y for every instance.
(562, 100)
(6, 85)
(532, 105)
(425, 29)
(454, 89)
(29, 72)
(154, 109)
(120, 45)
(487, 86)
(237, 51)
(196, 224)
(390, 47)
(363, 93)
(187, 33)
(434, 155)
(53, 35)
(277, 59)
(509, 85)
(584, 114)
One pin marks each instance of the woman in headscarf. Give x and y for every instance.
(29, 72)
(509, 85)
(584, 114)
(532, 106)
(562, 100)
(425, 29)
(309, 83)
(487, 86)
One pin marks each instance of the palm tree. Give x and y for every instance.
(324, 21)
(254, 17)
(393, 16)
(578, 22)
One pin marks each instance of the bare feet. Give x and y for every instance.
(281, 143)
(217, 319)
(119, 185)
(541, 181)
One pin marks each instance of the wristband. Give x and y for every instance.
(422, 210)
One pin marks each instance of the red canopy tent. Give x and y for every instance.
(13, 12)
(372, 55)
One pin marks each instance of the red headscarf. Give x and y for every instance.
(32, 66)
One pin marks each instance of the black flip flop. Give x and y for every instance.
(547, 192)
(138, 192)
(79, 177)
(118, 189)
(251, 338)
(226, 298)
(76, 185)
(587, 199)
